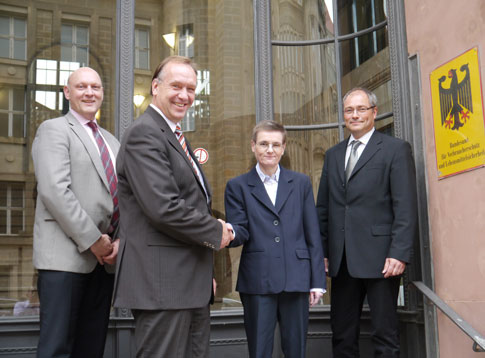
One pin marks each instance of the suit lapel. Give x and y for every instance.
(80, 132)
(372, 147)
(340, 157)
(259, 191)
(285, 187)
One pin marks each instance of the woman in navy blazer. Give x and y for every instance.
(272, 211)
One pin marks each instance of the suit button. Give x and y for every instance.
(277, 239)
(276, 222)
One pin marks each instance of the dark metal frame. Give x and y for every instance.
(475, 336)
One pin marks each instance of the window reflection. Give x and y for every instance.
(40, 45)
(302, 20)
(305, 89)
(358, 15)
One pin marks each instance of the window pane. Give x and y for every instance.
(3, 125)
(4, 25)
(360, 56)
(143, 59)
(82, 35)
(17, 195)
(142, 38)
(19, 27)
(305, 84)
(51, 77)
(82, 55)
(19, 50)
(3, 222)
(18, 99)
(16, 222)
(4, 48)
(4, 98)
(3, 194)
(51, 65)
(359, 15)
(46, 98)
(18, 125)
(307, 20)
(66, 34)
(66, 53)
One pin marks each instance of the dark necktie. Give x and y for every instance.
(181, 139)
(352, 159)
(110, 173)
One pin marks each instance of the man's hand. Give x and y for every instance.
(393, 267)
(111, 258)
(102, 247)
(315, 297)
(326, 265)
(227, 234)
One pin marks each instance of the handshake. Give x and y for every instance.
(227, 233)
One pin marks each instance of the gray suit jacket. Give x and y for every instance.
(167, 232)
(74, 205)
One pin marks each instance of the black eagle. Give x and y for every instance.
(456, 101)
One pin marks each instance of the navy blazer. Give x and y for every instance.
(374, 215)
(282, 249)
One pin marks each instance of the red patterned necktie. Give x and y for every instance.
(181, 139)
(110, 173)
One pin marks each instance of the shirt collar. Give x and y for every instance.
(83, 121)
(264, 177)
(364, 139)
(171, 124)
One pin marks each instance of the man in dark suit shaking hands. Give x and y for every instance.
(168, 235)
(281, 272)
(367, 210)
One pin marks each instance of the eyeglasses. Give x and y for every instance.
(361, 110)
(266, 145)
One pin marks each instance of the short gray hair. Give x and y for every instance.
(370, 95)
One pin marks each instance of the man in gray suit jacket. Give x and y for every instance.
(168, 235)
(367, 210)
(75, 223)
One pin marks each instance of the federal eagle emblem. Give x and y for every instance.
(456, 101)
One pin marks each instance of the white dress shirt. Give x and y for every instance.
(270, 182)
(84, 123)
(364, 140)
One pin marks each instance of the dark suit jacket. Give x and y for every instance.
(374, 215)
(282, 247)
(167, 232)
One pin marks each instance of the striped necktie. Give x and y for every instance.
(181, 139)
(110, 174)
